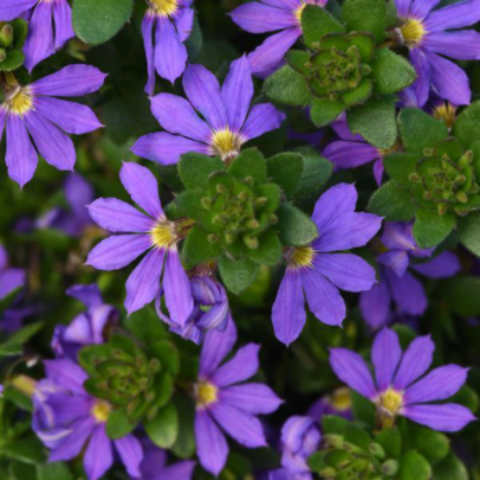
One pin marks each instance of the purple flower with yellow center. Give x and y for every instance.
(228, 118)
(427, 33)
(69, 421)
(400, 386)
(281, 16)
(140, 232)
(165, 27)
(221, 402)
(338, 403)
(396, 284)
(87, 328)
(314, 271)
(33, 111)
(11, 278)
(49, 26)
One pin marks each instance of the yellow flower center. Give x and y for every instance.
(164, 8)
(389, 404)
(412, 31)
(101, 411)
(341, 399)
(226, 144)
(301, 257)
(206, 394)
(447, 113)
(299, 10)
(19, 101)
(163, 234)
(392, 149)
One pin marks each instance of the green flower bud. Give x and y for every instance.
(390, 467)
(6, 35)
(377, 450)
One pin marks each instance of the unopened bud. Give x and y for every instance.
(442, 209)
(6, 35)
(220, 188)
(462, 197)
(428, 196)
(336, 441)
(242, 196)
(261, 201)
(206, 203)
(212, 238)
(377, 450)
(427, 152)
(3, 54)
(217, 220)
(230, 238)
(249, 180)
(415, 177)
(253, 224)
(390, 467)
(251, 242)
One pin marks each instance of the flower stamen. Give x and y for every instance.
(206, 393)
(101, 411)
(226, 144)
(301, 257)
(164, 8)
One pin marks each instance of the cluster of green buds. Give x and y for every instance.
(12, 39)
(445, 177)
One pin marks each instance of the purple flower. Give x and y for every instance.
(68, 420)
(49, 27)
(353, 150)
(11, 278)
(282, 16)
(426, 32)
(338, 403)
(315, 272)
(221, 402)
(139, 233)
(400, 386)
(154, 465)
(396, 283)
(33, 111)
(165, 27)
(230, 121)
(87, 328)
(210, 310)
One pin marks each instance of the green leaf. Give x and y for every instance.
(375, 121)
(414, 467)
(118, 424)
(467, 125)
(163, 429)
(195, 169)
(363, 410)
(469, 232)
(365, 16)
(298, 60)
(54, 471)
(250, 163)
(400, 165)
(20, 32)
(14, 345)
(391, 72)
(391, 441)
(295, 227)
(432, 445)
(332, 425)
(286, 169)
(237, 275)
(316, 23)
(190, 203)
(269, 251)
(198, 249)
(168, 355)
(164, 390)
(392, 202)
(288, 87)
(359, 94)
(14, 60)
(430, 229)
(450, 468)
(184, 446)
(97, 21)
(461, 295)
(194, 42)
(325, 111)
(359, 437)
(26, 450)
(170, 177)
(419, 130)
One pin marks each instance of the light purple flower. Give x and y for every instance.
(11, 278)
(210, 311)
(68, 420)
(315, 272)
(400, 386)
(228, 118)
(221, 402)
(165, 27)
(432, 34)
(87, 328)
(49, 26)
(396, 284)
(281, 16)
(33, 111)
(140, 233)
(351, 150)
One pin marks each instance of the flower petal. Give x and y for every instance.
(142, 187)
(346, 154)
(118, 251)
(444, 266)
(131, 453)
(254, 17)
(66, 374)
(288, 313)
(324, 299)
(11, 9)
(396, 260)
(237, 93)
(184, 23)
(415, 362)
(70, 81)
(439, 384)
(117, 216)
(386, 355)
(72, 445)
(39, 44)
(62, 14)
(448, 417)
(148, 23)
(176, 115)
(70, 117)
(408, 293)
(143, 284)
(10, 280)
(252, 398)
(375, 305)
(166, 149)
(463, 45)
(244, 428)
(403, 7)
(263, 118)
(421, 8)
(203, 91)
(98, 457)
(212, 447)
(352, 370)
(457, 15)
(346, 271)
(21, 158)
